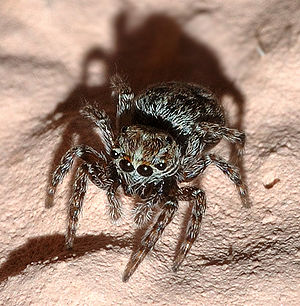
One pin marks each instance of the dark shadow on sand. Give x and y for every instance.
(51, 248)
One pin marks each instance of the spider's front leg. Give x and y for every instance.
(169, 208)
(75, 204)
(94, 167)
(197, 196)
(97, 175)
(86, 153)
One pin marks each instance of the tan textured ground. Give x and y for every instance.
(54, 53)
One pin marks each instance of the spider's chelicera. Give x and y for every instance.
(172, 128)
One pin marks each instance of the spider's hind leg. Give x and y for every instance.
(231, 171)
(214, 131)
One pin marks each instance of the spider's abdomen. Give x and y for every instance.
(176, 108)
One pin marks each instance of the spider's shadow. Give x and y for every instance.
(155, 51)
(48, 249)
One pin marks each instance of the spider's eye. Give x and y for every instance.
(114, 154)
(124, 129)
(144, 170)
(126, 165)
(161, 166)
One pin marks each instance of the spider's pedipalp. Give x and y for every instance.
(115, 211)
(142, 213)
(150, 238)
(197, 196)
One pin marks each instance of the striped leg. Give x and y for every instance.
(75, 205)
(214, 131)
(234, 174)
(122, 90)
(86, 153)
(197, 196)
(228, 169)
(151, 237)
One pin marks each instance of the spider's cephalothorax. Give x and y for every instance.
(170, 129)
(144, 157)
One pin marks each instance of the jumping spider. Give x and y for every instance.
(172, 128)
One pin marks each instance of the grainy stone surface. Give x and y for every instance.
(54, 54)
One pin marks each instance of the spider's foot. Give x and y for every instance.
(51, 191)
(132, 265)
(178, 261)
(175, 267)
(115, 214)
(69, 243)
(243, 190)
(50, 197)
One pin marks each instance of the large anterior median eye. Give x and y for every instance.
(126, 165)
(144, 170)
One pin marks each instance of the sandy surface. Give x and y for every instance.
(55, 53)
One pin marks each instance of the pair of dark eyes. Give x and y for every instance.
(143, 170)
